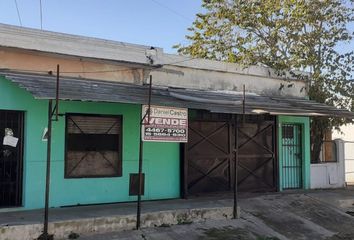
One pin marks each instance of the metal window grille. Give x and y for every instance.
(93, 146)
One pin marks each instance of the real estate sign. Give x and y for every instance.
(165, 124)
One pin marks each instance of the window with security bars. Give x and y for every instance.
(93, 146)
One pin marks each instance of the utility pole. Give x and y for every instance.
(141, 157)
(51, 111)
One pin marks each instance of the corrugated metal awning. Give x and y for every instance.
(43, 87)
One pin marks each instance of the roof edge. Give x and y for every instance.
(24, 38)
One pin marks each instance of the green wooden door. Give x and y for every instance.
(292, 156)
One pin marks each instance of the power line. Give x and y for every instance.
(172, 10)
(40, 13)
(18, 13)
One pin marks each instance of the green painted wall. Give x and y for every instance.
(305, 123)
(161, 160)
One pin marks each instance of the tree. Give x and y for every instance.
(286, 35)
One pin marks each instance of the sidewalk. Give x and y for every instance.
(319, 214)
(111, 217)
(301, 215)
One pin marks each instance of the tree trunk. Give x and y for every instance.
(319, 126)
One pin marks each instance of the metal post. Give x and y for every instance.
(235, 169)
(141, 156)
(45, 235)
(237, 150)
(141, 148)
(57, 96)
(149, 100)
(244, 104)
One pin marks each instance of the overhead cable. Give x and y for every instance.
(172, 10)
(40, 13)
(18, 13)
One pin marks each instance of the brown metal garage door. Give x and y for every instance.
(257, 162)
(209, 156)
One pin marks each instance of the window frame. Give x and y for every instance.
(119, 171)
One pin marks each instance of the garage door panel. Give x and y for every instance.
(209, 138)
(210, 156)
(209, 175)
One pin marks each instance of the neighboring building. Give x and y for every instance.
(347, 134)
(95, 142)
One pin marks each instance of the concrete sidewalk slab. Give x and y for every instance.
(287, 215)
(113, 217)
(271, 217)
(282, 216)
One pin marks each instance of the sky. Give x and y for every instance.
(159, 23)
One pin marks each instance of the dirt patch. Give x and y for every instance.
(226, 233)
(231, 233)
(342, 236)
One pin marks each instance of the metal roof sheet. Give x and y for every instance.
(43, 87)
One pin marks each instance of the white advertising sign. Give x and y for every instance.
(166, 124)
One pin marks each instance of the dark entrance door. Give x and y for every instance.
(11, 159)
(209, 157)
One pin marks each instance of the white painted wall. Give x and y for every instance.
(347, 134)
(255, 81)
(84, 54)
(329, 175)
